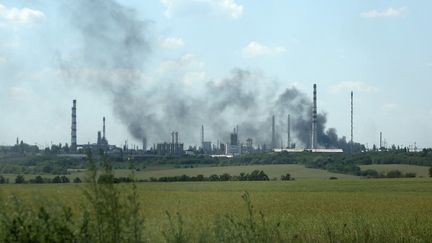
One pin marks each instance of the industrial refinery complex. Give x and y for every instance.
(233, 147)
(235, 144)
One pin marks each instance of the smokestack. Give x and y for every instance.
(176, 149)
(237, 131)
(273, 133)
(314, 118)
(352, 122)
(202, 136)
(74, 128)
(103, 129)
(380, 140)
(172, 137)
(289, 132)
(144, 144)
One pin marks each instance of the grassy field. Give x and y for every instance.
(299, 172)
(421, 171)
(307, 210)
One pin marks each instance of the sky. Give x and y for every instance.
(381, 50)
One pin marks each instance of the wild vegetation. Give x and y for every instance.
(338, 163)
(305, 211)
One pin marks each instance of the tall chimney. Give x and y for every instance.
(289, 132)
(380, 141)
(74, 128)
(352, 122)
(172, 137)
(202, 136)
(176, 148)
(237, 131)
(103, 129)
(145, 144)
(273, 133)
(314, 118)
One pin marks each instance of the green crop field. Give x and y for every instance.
(421, 171)
(363, 210)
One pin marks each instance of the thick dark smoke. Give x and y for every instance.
(115, 46)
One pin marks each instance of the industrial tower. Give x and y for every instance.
(314, 119)
(74, 128)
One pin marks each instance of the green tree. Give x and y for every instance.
(20, 179)
(38, 179)
(56, 180)
(2, 180)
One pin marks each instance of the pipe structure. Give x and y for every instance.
(74, 128)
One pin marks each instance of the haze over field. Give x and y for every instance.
(152, 67)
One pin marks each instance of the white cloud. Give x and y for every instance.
(389, 107)
(225, 7)
(230, 6)
(20, 15)
(255, 49)
(172, 43)
(390, 12)
(358, 86)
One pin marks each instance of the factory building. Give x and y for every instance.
(234, 147)
(173, 148)
(206, 146)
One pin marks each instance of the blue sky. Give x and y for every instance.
(382, 50)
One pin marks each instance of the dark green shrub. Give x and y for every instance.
(394, 174)
(286, 177)
(20, 179)
(410, 175)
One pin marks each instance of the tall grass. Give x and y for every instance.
(112, 213)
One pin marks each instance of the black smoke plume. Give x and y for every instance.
(116, 44)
